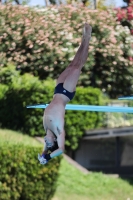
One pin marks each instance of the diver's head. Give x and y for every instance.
(51, 141)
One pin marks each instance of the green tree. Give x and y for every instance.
(105, 4)
(53, 2)
(94, 4)
(18, 2)
(127, 1)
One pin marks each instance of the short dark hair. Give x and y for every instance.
(54, 147)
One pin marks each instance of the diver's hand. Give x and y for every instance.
(42, 159)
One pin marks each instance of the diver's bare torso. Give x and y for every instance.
(53, 118)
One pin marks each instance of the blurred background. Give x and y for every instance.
(38, 40)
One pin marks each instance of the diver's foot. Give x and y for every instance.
(87, 29)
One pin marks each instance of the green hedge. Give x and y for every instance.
(22, 177)
(27, 89)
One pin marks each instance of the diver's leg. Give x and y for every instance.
(80, 57)
(78, 61)
(63, 75)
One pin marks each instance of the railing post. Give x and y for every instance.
(117, 152)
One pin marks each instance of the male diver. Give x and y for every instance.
(53, 119)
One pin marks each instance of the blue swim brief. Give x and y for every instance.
(61, 90)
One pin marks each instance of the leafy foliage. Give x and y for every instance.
(125, 17)
(46, 48)
(27, 89)
(22, 177)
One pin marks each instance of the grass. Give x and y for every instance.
(12, 137)
(72, 183)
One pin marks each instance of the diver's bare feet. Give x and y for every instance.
(87, 29)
